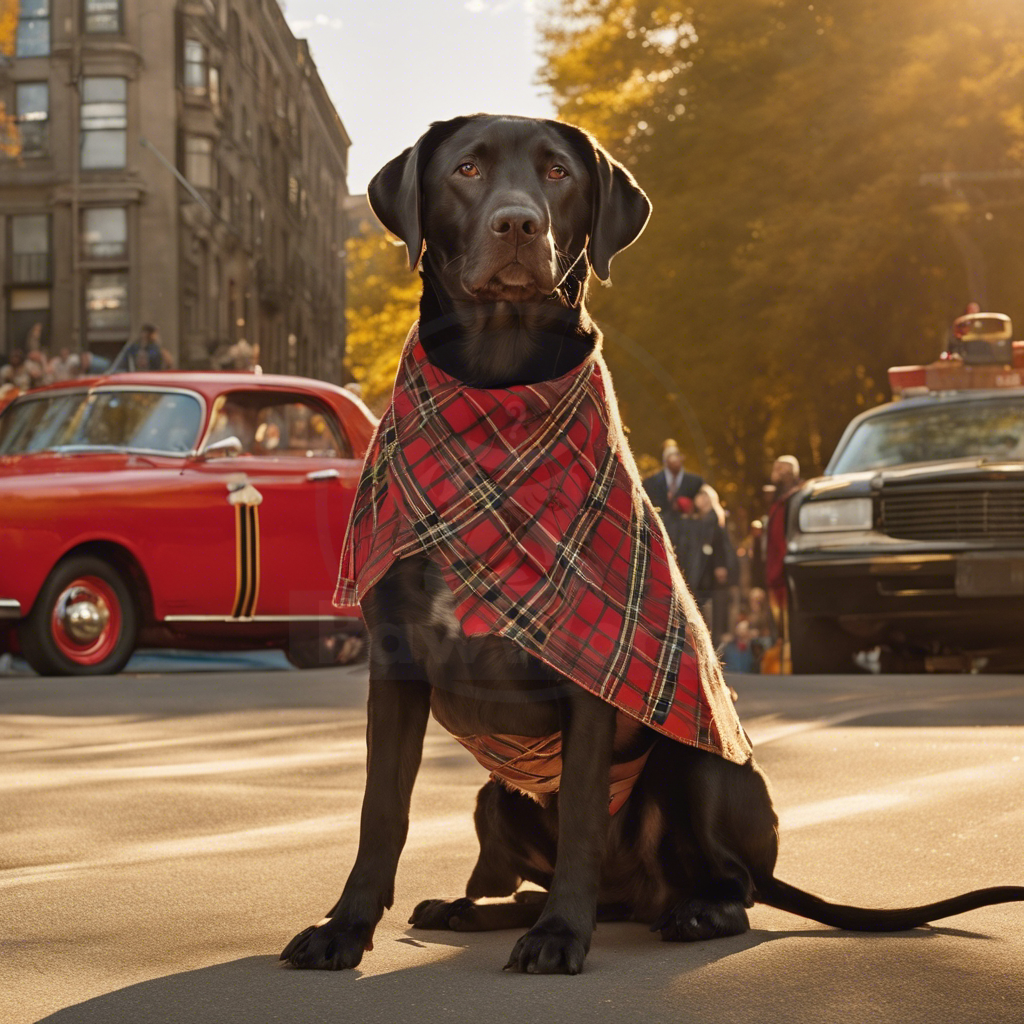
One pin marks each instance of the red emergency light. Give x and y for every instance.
(980, 355)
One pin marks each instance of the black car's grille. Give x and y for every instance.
(983, 512)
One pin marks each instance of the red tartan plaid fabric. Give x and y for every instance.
(529, 501)
(534, 765)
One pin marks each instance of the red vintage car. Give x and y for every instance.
(198, 510)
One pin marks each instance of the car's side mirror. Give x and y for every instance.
(226, 447)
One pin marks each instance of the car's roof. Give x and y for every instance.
(207, 383)
(933, 398)
(930, 399)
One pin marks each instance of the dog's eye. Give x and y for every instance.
(557, 173)
(468, 170)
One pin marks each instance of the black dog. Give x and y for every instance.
(514, 213)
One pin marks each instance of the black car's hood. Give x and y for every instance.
(946, 472)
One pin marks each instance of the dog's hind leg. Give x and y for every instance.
(497, 818)
(721, 831)
(465, 915)
(522, 912)
(508, 826)
(695, 919)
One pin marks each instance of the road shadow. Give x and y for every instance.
(185, 693)
(629, 975)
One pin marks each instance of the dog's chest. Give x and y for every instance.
(486, 684)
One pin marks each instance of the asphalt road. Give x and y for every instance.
(165, 835)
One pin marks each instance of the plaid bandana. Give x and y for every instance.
(528, 500)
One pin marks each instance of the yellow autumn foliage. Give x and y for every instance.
(799, 244)
(10, 140)
(8, 26)
(382, 303)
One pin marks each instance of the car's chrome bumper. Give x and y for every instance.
(9, 609)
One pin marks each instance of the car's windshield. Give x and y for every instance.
(151, 421)
(959, 430)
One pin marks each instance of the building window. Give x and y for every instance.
(106, 305)
(195, 68)
(33, 39)
(29, 323)
(105, 233)
(32, 105)
(229, 112)
(30, 248)
(102, 16)
(199, 165)
(227, 198)
(215, 89)
(104, 123)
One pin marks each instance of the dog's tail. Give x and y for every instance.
(862, 919)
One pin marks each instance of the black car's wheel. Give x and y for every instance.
(83, 623)
(819, 646)
(323, 652)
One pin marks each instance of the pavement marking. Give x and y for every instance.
(772, 728)
(196, 739)
(422, 834)
(32, 777)
(906, 792)
(441, 830)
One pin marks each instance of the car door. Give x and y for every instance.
(290, 490)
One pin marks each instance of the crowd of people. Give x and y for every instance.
(23, 370)
(35, 367)
(732, 565)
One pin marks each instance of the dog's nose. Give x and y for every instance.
(517, 224)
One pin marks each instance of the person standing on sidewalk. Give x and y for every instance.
(786, 478)
(672, 491)
(146, 353)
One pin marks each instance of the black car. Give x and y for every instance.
(913, 540)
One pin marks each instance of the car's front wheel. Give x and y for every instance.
(83, 623)
(819, 647)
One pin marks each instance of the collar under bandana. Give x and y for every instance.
(528, 500)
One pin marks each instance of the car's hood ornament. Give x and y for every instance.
(241, 492)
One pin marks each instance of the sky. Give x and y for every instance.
(393, 66)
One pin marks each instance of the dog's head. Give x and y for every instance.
(507, 205)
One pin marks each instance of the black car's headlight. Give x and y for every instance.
(836, 514)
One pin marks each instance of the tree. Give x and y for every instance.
(382, 303)
(10, 139)
(797, 253)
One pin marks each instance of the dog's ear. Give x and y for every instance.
(395, 190)
(620, 207)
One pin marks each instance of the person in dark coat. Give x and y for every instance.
(786, 479)
(672, 491)
(755, 545)
(706, 568)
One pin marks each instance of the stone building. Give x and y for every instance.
(180, 163)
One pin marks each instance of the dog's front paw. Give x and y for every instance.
(331, 946)
(550, 947)
(456, 915)
(693, 920)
